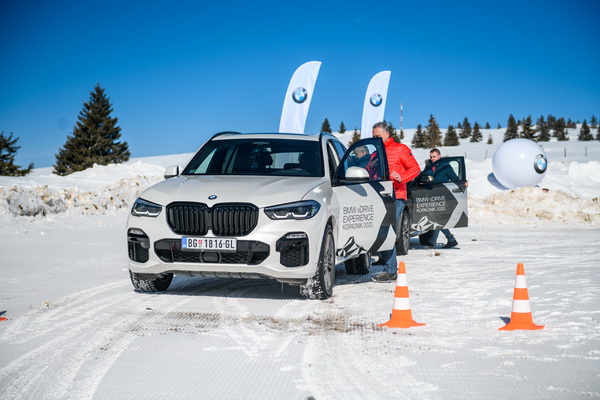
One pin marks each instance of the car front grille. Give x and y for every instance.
(227, 219)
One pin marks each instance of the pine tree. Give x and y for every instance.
(433, 135)
(8, 151)
(593, 122)
(560, 130)
(342, 127)
(401, 135)
(393, 133)
(487, 126)
(418, 141)
(543, 129)
(490, 139)
(512, 129)
(451, 138)
(95, 138)
(466, 131)
(476, 136)
(355, 137)
(551, 122)
(498, 127)
(326, 127)
(528, 131)
(585, 133)
(571, 124)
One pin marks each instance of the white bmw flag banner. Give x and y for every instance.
(375, 99)
(298, 97)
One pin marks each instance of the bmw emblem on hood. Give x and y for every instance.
(299, 95)
(376, 100)
(212, 197)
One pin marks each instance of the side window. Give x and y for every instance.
(335, 151)
(368, 154)
(446, 170)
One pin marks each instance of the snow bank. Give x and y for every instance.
(95, 190)
(536, 205)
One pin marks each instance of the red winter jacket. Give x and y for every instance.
(401, 160)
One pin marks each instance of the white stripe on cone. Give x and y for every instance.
(521, 306)
(401, 303)
(520, 282)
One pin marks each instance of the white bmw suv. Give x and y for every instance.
(267, 205)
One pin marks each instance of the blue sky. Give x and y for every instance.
(177, 73)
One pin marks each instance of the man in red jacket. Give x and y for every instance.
(403, 168)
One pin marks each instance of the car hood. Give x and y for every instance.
(261, 191)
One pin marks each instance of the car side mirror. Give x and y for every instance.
(426, 179)
(172, 171)
(357, 174)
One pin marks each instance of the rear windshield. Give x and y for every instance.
(257, 157)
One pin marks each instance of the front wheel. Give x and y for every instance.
(151, 282)
(320, 285)
(403, 238)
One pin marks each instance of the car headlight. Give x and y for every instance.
(299, 210)
(144, 208)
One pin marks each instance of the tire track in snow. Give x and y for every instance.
(87, 336)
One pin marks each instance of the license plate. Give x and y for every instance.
(212, 244)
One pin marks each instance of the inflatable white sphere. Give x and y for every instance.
(518, 163)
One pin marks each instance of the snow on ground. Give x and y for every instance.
(76, 329)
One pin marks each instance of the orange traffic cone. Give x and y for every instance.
(521, 317)
(401, 314)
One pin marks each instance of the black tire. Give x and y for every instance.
(320, 286)
(359, 266)
(403, 237)
(150, 282)
(425, 238)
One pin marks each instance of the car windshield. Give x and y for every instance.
(285, 157)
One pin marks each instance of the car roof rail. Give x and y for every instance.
(225, 133)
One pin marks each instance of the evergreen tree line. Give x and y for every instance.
(546, 128)
(542, 131)
(95, 140)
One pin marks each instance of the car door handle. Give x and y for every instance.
(458, 190)
(385, 193)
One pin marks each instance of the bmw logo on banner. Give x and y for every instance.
(376, 99)
(300, 95)
(540, 164)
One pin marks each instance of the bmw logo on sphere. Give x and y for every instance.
(376, 99)
(212, 197)
(299, 95)
(540, 164)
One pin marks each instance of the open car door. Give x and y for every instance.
(438, 196)
(366, 206)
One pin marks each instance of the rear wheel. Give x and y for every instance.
(360, 265)
(403, 237)
(320, 286)
(151, 282)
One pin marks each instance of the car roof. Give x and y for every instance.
(272, 135)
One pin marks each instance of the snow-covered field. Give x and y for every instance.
(76, 329)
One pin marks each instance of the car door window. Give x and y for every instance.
(368, 154)
(445, 170)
